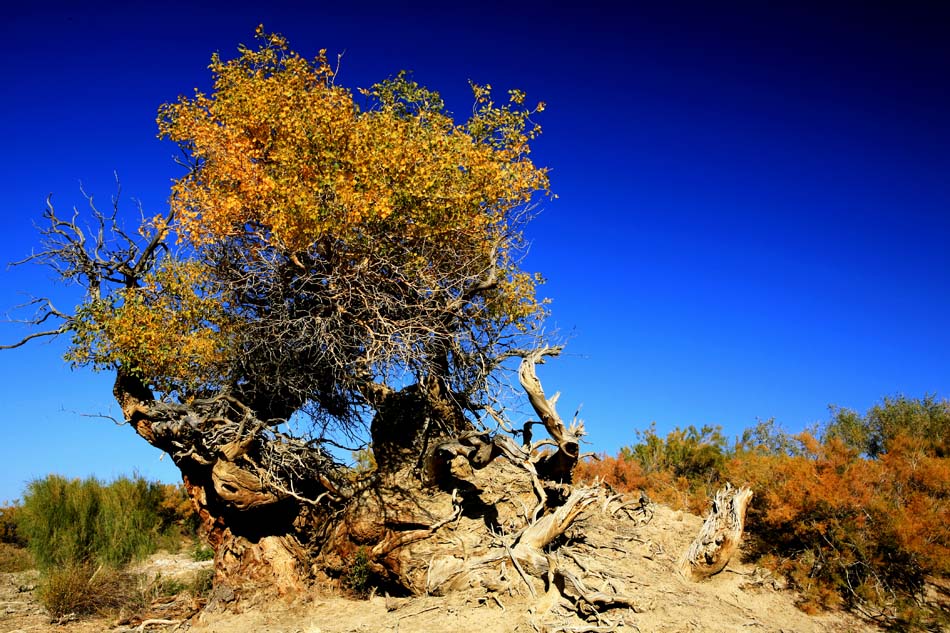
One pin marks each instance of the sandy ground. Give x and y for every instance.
(741, 599)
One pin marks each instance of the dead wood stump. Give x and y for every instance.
(720, 535)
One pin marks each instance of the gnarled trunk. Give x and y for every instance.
(281, 514)
(259, 532)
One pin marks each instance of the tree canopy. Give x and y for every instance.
(324, 244)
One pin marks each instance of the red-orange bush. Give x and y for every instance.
(625, 474)
(847, 529)
(847, 525)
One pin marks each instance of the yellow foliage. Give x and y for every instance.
(283, 151)
(170, 330)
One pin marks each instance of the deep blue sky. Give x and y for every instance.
(754, 204)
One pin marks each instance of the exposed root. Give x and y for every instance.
(527, 556)
(589, 601)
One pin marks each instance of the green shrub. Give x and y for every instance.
(202, 584)
(926, 420)
(79, 522)
(358, 578)
(202, 552)
(694, 453)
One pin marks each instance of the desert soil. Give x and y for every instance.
(639, 563)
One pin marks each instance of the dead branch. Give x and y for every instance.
(155, 622)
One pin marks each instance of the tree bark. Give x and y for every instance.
(254, 529)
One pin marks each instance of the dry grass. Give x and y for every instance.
(77, 589)
(14, 559)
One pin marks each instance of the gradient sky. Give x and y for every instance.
(753, 212)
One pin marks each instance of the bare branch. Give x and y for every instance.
(60, 330)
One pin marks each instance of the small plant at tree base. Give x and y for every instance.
(357, 580)
(202, 552)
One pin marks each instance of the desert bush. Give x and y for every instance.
(9, 530)
(697, 454)
(79, 522)
(847, 530)
(926, 420)
(129, 523)
(619, 472)
(681, 470)
(768, 437)
(201, 551)
(84, 589)
(624, 474)
(857, 518)
(358, 577)
(201, 584)
(176, 511)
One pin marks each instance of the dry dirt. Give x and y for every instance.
(636, 562)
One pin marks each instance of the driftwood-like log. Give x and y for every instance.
(720, 535)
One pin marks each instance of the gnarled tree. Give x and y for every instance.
(332, 265)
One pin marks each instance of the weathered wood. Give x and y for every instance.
(720, 535)
(527, 554)
(560, 465)
(240, 488)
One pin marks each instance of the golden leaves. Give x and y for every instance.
(171, 330)
(280, 146)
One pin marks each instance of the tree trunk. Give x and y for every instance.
(280, 514)
(254, 529)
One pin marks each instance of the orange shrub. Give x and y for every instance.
(625, 474)
(846, 529)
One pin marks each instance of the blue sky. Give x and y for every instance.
(753, 206)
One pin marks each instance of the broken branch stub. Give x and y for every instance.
(560, 465)
(720, 535)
